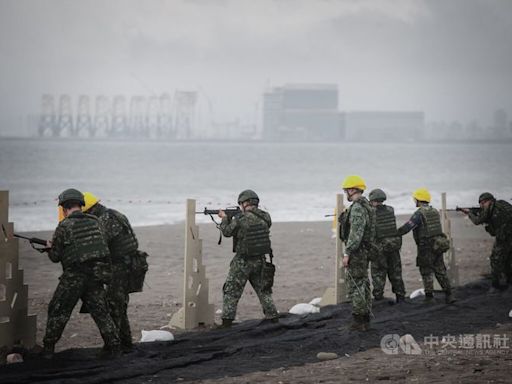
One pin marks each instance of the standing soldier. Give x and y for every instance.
(79, 245)
(358, 232)
(122, 244)
(497, 215)
(388, 242)
(251, 237)
(431, 243)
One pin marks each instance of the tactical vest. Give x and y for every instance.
(385, 222)
(369, 231)
(257, 237)
(125, 244)
(85, 242)
(430, 224)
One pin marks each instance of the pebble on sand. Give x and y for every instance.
(326, 356)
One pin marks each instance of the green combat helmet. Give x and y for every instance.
(485, 196)
(248, 195)
(377, 195)
(71, 194)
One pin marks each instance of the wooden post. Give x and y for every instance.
(196, 309)
(450, 258)
(16, 326)
(339, 293)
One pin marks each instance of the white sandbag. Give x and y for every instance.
(417, 293)
(155, 335)
(316, 301)
(303, 309)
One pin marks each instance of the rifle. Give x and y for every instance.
(459, 209)
(32, 240)
(230, 213)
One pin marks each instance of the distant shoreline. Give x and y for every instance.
(238, 141)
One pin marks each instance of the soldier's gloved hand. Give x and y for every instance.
(345, 261)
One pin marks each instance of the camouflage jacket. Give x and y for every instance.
(77, 239)
(497, 217)
(238, 227)
(361, 224)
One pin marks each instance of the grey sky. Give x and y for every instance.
(451, 58)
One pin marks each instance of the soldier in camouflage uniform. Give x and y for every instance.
(497, 215)
(426, 226)
(122, 245)
(250, 232)
(387, 261)
(358, 232)
(79, 245)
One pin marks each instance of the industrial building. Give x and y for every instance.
(302, 112)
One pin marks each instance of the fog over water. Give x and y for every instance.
(150, 181)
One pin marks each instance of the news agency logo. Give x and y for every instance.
(392, 344)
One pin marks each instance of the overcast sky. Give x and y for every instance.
(450, 58)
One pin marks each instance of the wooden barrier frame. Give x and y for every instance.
(16, 326)
(339, 293)
(196, 309)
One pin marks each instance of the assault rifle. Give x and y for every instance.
(460, 209)
(230, 212)
(32, 240)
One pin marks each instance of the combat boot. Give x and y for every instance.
(400, 299)
(48, 352)
(450, 299)
(226, 323)
(110, 352)
(366, 323)
(357, 323)
(429, 298)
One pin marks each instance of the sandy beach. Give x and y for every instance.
(304, 256)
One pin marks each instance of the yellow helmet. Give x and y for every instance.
(61, 213)
(422, 194)
(353, 181)
(90, 201)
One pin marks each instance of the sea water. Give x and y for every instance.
(150, 181)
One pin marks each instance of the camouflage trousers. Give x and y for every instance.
(430, 264)
(117, 299)
(74, 285)
(387, 264)
(501, 263)
(242, 270)
(359, 284)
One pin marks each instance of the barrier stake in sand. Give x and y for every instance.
(196, 310)
(338, 294)
(450, 259)
(16, 326)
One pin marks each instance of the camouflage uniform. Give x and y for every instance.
(358, 229)
(122, 244)
(387, 261)
(426, 225)
(244, 268)
(498, 220)
(78, 243)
